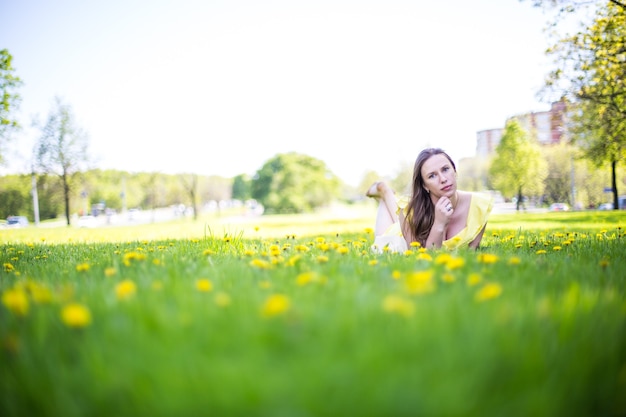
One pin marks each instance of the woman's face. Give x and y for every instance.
(439, 176)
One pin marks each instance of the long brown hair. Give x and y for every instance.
(421, 210)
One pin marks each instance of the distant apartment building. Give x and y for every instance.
(547, 127)
(487, 141)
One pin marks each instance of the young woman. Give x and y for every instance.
(437, 213)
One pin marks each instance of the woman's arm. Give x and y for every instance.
(407, 233)
(474, 244)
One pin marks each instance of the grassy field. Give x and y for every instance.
(296, 316)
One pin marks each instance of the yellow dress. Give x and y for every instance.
(477, 216)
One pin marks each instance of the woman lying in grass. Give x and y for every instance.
(437, 213)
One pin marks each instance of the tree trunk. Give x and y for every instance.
(66, 197)
(614, 185)
(519, 198)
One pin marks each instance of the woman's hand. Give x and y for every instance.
(443, 211)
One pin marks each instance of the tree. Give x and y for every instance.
(590, 73)
(62, 149)
(9, 99)
(294, 183)
(518, 167)
(560, 165)
(190, 184)
(242, 187)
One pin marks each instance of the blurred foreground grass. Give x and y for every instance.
(295, 316)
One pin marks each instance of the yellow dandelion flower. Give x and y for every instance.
(514, 260)
(302, 248)
(292, 261)
(110, 271)
(222, 299)
(16, 301)
(306, 277)
(275, 305)
(556, 248)
(40, 294)
(324, 247)
(125, 289)
(76, 315)
(473, 279)
(274, 250)
(420, 282)
(442, 258)
(208, 252)
(487, 258)
(204, 285)
(322, 259)
(83, 267)
(8, 267)
(398, 305)
(265, 284)
(424, 257)
(540, 252)
(448, 277)
(129, 257)
(408, 252)
(604, 263)
(488, 292)
(396, 274)
(320, 239)
(455, 263)
(415, 244)
(261, 264)
(342, 250)
(369, 230)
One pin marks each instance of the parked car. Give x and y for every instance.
(17, 221)
(605, 206)
(559, 207)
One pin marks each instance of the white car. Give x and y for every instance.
(559, 207)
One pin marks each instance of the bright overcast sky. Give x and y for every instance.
(218, 87)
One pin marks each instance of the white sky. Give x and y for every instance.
(218, 87)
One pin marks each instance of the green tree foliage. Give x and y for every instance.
(518, 168)
(9, 98)
(13, 202)
(591, 73)
(294, 183)
(242, 187)
(560, 166)
(62, 149)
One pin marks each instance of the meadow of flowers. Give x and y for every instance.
(532, 324)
